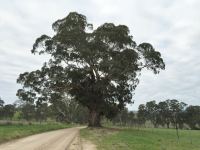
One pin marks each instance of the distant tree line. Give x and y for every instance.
(6, 111)
(168, 113)
(63, 111)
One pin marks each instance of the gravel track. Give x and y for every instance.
(53, 140)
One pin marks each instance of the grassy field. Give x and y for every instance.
(9, 132)
(142, 139)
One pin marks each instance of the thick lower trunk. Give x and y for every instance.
(94, 119)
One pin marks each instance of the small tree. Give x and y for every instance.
(68, 110)
(41, 112)
(8, 111)
(131, 118)
(28, 111)
(164, 113)
(97, 68)
(193, 117)
(1, 108)
(142, 114)
(1, 102)
(176, 108)
(152, 112)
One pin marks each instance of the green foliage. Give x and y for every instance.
(68, 110)
(124, 118)
(17, 115)
(164, 113)
(8, 111)
(41, 112)
(1, 108)
(99, 69)
(1, 102)
(170, 112)
(152, 112)
(28, 111)
(65, 110)
(142, 113)
(176, 109)
(193, 116)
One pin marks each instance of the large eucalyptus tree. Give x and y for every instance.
(99, 68)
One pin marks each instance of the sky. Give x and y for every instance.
(172, 27)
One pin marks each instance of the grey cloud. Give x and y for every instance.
(171, 26)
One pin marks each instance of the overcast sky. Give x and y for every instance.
(172, 26)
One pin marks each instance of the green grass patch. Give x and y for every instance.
(142, 139)
(13, 131)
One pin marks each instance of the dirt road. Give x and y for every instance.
(53, 140)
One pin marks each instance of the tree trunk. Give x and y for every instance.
(155, 125)
(94, 119)
(177, 133)
(168, 125)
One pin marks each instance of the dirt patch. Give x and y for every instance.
(76, 144)
(54, 140)
(81, 144)
(88, 145)
(91, 136)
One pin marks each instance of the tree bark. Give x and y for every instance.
(94, 119)
(177, 133)
(167, 125)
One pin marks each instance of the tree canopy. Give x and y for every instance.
(1, 102)
(166, 112)
(99, 68)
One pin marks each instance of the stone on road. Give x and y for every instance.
(53, 140)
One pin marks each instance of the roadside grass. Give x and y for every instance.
(142, 139)
(14, 131)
